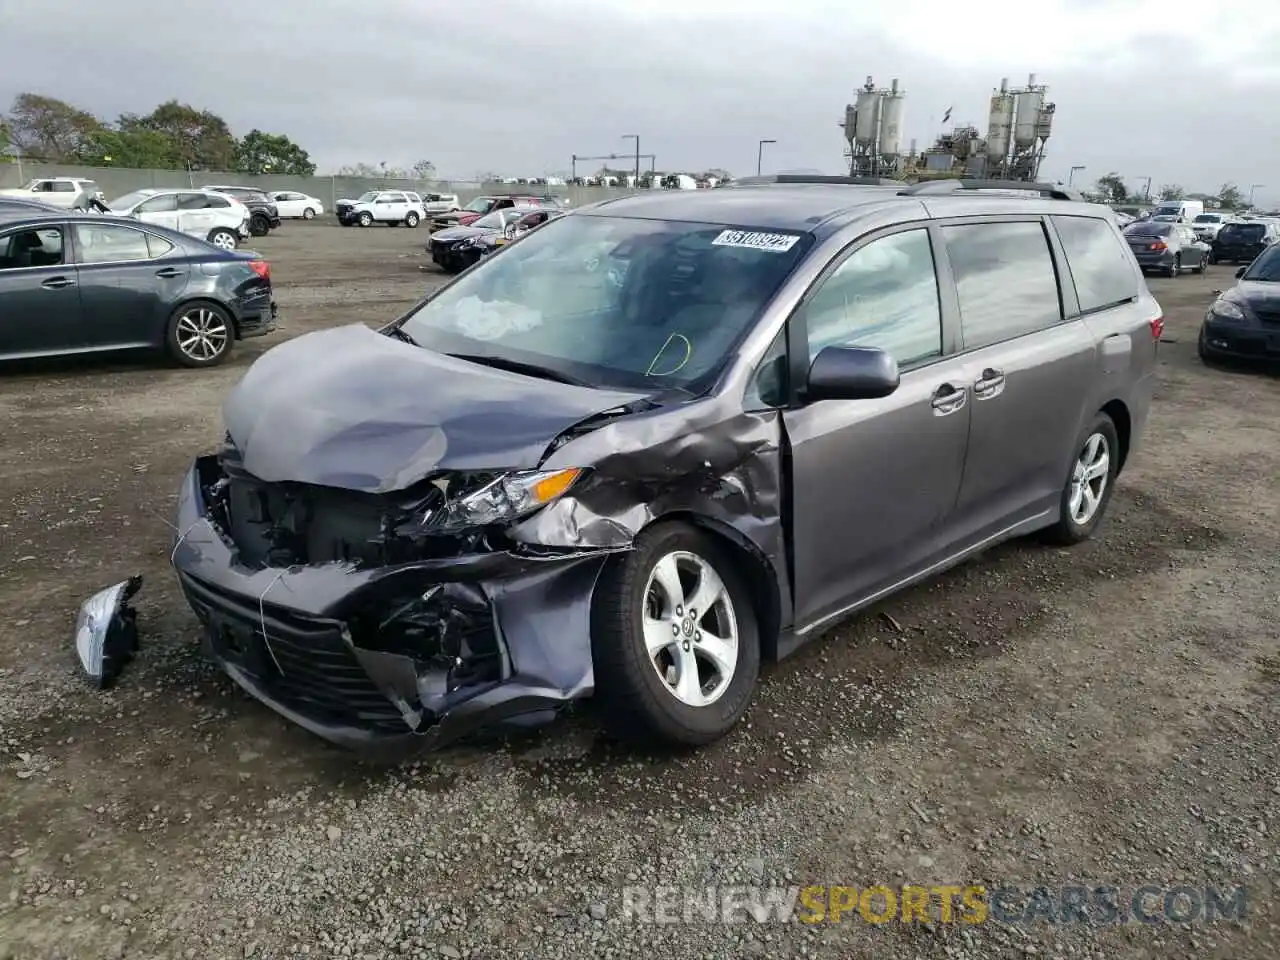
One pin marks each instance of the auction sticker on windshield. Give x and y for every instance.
(773, 242)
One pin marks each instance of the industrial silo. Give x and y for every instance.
(892, 104)
(867, 118)
(1000, 126)
(1029, 103)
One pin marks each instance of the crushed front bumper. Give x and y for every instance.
(298, 640)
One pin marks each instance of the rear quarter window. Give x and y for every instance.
(1100, 263)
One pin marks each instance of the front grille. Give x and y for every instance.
(304, 663)
(1269, 317)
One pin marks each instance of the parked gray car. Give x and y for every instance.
(658, 440)
(1171, 248)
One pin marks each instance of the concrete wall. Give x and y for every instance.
(117, 181)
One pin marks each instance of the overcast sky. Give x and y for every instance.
(1164, 88)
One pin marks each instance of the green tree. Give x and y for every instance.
(1230, 197)
(201, 140)
(140, 149)
(1112, 188)
(6, 142)
(1172, 191)
(260, 152)
(424, 170)
(48, 128)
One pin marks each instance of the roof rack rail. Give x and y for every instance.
(815, 178)
(927, 187)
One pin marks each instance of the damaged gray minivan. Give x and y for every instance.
(655, 441)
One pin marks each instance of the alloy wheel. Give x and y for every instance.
(1089, 479)
(202, 334)
(690, 628)
(224, 241)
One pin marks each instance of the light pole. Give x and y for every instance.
(1146, 189)
(1253, 187)
(760, 154)
(636, 138)
(1072, 175)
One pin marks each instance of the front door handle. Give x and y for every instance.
(948, 398)
(57, 283)
(168, 273)
(990, 384)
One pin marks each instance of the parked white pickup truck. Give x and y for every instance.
(69, 193)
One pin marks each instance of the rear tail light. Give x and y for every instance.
(1157, 327)
(261, 268)
(1159, 245)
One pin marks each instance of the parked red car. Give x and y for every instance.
(478, 207)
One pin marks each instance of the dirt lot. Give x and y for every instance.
(1103, 715)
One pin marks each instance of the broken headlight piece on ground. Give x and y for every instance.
(106, 632)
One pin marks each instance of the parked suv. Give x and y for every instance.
(655, 441)
(1242, 241)
(434, 203)
(66, 193)
(392, 207)
(264, 214)
(222, 220)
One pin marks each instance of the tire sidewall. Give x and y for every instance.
(1077, 532)
(692, 725)
(222, 231)
(412, 220)
(171, 336)
(365, 219)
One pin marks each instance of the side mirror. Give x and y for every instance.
(1240, 272)
(851, 373)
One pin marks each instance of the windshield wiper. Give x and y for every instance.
(519, 366)
(400, 334)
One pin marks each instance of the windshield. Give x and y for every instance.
(367, 197)
(1148, 229)
(497, 220)
(129, 200)
(612, 301)
(481, 205)
(1266, 268)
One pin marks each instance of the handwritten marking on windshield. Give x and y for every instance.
(688, 352)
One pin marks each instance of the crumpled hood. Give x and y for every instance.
(449, 234)
(355, 409)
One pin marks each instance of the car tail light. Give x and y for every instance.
(1159, 245)
(261, 268)
(1157, 327)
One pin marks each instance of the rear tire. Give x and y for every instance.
(1090, 483)
(1174, 269)
(411, 220)
(224, 239)
(200, 334)
(259, 226)
(664, 672)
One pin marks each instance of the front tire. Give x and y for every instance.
(200, 334)
(365, 219)
(308, 214)
(1090, 483)
(674, 641)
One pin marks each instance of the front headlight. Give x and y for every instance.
(1226, 310)
(510, 497)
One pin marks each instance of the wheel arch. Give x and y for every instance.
(1118, 411)
(762, 580)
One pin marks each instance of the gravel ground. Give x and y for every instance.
(1101, 715)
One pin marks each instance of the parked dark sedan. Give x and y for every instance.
(457, 248)
(1241, 242)
(1245, 320)
(83, 283)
